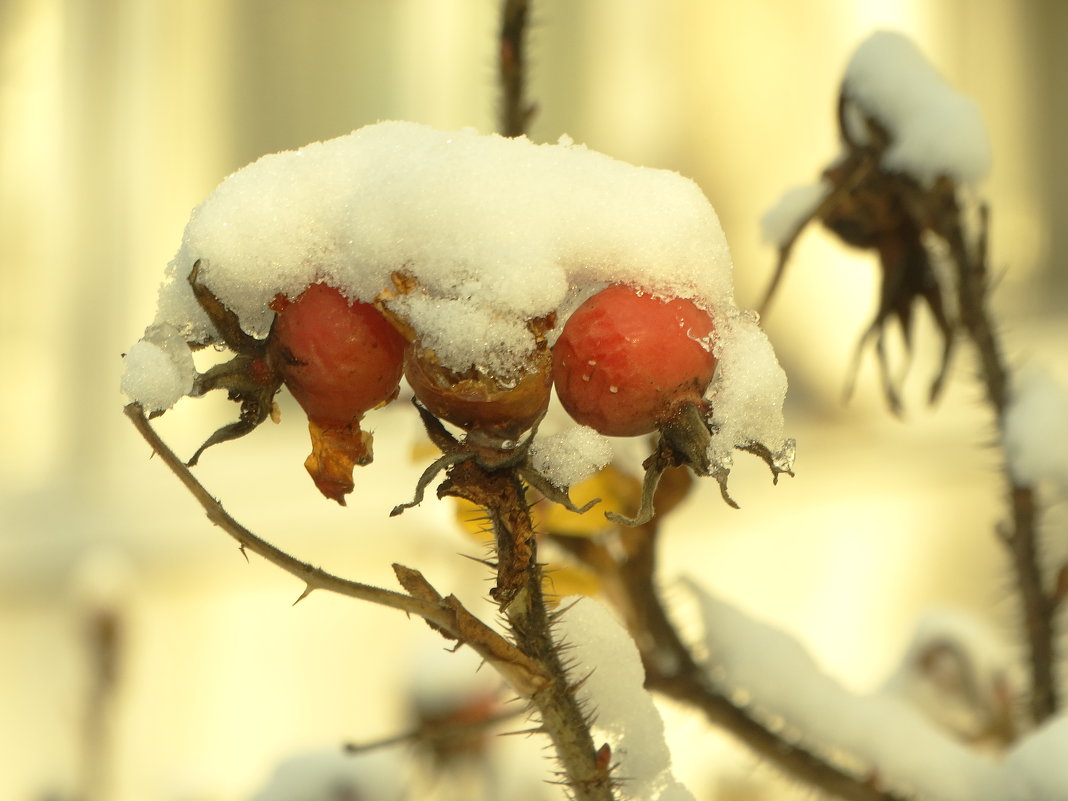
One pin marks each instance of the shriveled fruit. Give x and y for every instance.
(476, 402)
(339, 360)
(627, 360)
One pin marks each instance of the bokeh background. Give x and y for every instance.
(118, 116)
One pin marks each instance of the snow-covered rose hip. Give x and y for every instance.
(339, 359)
(628, 359)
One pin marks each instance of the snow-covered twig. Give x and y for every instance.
(892, 742)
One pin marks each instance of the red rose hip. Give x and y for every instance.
(340, 360)
(627, 360)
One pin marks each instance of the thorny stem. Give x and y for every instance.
(532, 666)
(446, 615)
(519, 591)
(1021, 532)
(515, 111)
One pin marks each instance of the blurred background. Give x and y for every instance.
(118, 116)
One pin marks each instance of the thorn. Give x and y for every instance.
(528, 732)
(244, 553)
(308, 590)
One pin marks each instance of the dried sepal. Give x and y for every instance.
(248, 377)
(890, 213)
(686, 441)
(336, 452)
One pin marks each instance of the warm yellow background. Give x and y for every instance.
(118, 116)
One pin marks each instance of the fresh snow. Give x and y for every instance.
(605, 660)
(494, 231)
(890, 737)
(1036, 428)
(934, 129)
(571, 456)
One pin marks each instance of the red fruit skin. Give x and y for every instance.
(339, 359)
(626, 360)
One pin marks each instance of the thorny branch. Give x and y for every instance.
(533, 666)
(872, 207)
(431, 733)
(492, 480)
(1020, 533)
(446, 614)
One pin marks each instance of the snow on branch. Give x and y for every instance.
(606, 661)
(877, 733)
(934, 129)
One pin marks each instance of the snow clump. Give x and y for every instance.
(487, 234)
(571, 456)
(1036, 426)
(934, 129)
(890, 737)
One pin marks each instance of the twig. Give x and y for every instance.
(434, 731)
(516, 112)
(445, 614)
(105, 629)
(1020, 534)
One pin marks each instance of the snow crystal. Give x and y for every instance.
(935, 130)
(158, 370)
(570, 456)
(606, 660)
(1036, 426)
(782, 220)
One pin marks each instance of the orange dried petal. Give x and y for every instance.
(336, 452)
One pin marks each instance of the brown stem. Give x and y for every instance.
(519, 592)
(435, 731)
(105, 635)
(1021, 533)
(515, 111)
